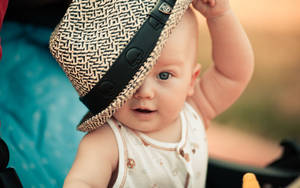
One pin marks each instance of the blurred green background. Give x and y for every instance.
(270, 106)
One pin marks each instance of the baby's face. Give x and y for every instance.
(157, 103)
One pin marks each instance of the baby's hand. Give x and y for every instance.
(211, 8)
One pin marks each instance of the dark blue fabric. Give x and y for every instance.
(39, 108)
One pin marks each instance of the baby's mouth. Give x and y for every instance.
(146, 111)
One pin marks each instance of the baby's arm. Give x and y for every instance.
(96, 159)
(232, 55)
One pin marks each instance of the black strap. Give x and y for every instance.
(130, 60)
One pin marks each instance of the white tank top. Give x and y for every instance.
(145, 162)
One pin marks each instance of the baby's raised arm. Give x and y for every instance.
(228, 76)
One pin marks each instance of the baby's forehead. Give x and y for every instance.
(170, 62)
(180, 49)
(190, 21)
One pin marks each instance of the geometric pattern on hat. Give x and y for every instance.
(91, 36)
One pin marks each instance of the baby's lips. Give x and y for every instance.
(144, 110)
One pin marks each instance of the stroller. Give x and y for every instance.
(35, 96)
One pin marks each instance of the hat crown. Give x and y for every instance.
(91, 36)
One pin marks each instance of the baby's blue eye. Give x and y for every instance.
(164, 75)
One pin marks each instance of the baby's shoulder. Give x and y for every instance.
(96, 158)
(102, 136)
(101, 142)
(104, 130)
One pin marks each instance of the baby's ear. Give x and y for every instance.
(195, 73)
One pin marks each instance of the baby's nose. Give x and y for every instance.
(146, 91)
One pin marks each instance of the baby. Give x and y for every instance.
(157, 137)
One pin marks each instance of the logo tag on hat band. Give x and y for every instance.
(165, 8)
(130, 60)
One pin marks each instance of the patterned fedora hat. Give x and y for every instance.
(107, 47)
